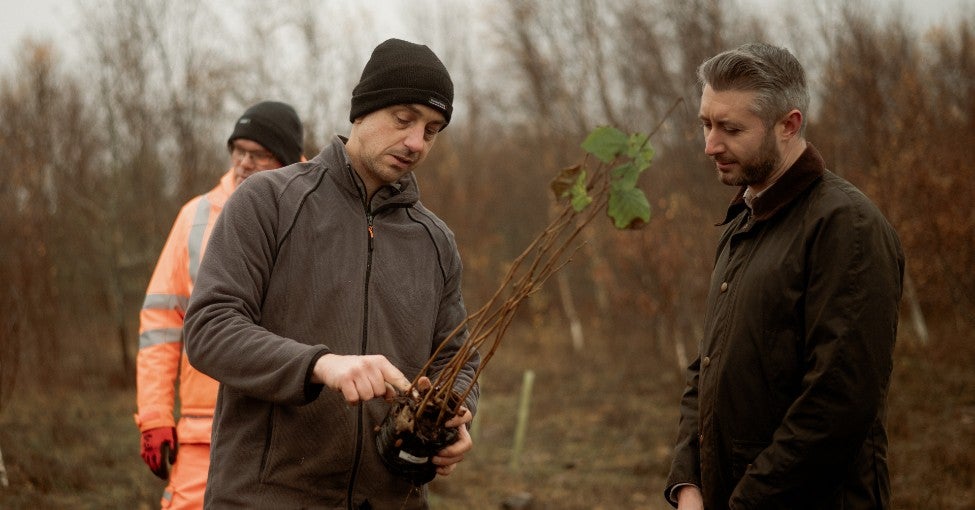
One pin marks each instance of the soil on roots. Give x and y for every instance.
(413, 432)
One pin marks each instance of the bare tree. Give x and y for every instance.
(47, 143)
(102, 161)
(161, 84)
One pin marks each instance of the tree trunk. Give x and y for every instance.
(3, 472)
(569, 307)
(917, 315)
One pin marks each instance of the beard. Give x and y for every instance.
(758, 169)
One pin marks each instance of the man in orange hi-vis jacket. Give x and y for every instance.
(267, 136)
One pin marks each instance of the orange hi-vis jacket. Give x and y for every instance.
(161, 360)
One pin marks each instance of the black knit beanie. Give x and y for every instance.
(401, 72)
(274, 125)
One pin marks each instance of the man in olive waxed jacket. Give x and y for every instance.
(785, 404)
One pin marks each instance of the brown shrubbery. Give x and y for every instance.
(98, 157)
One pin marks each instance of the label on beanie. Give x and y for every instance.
(438, 103)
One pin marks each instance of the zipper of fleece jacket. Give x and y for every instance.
(357, 459)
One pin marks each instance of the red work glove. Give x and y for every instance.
(158, 446)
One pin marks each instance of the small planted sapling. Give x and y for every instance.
(605, 181)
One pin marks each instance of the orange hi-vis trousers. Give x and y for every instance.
(187, 478)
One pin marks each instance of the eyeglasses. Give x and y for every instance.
(258, 157)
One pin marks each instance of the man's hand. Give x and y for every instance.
(359, 378)
(446, 460)
(689, 498)
(158, 447)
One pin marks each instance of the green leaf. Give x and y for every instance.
(628, 205)
(640, 151)
(629, 208)
(636, 143)
(606, 143)
(625, 176)
(579, 193)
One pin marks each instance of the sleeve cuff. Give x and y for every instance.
(672, 493)
(312, 390)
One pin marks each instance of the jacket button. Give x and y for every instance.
(724, 286)
(705, 361)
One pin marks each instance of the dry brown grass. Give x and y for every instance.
(599, 435)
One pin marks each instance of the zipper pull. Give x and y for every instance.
(372, 233)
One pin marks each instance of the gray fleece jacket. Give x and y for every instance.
(299, 265)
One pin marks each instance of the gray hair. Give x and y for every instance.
(772, 72)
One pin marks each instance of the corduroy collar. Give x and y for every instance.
(809, 168)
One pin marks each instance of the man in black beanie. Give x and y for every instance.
(332, 274)
(267, 136)
(276, 128)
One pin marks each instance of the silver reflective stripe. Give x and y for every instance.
(195, 243)
(166, 302)
(160, 336)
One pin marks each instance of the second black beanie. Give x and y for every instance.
(276, 126)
